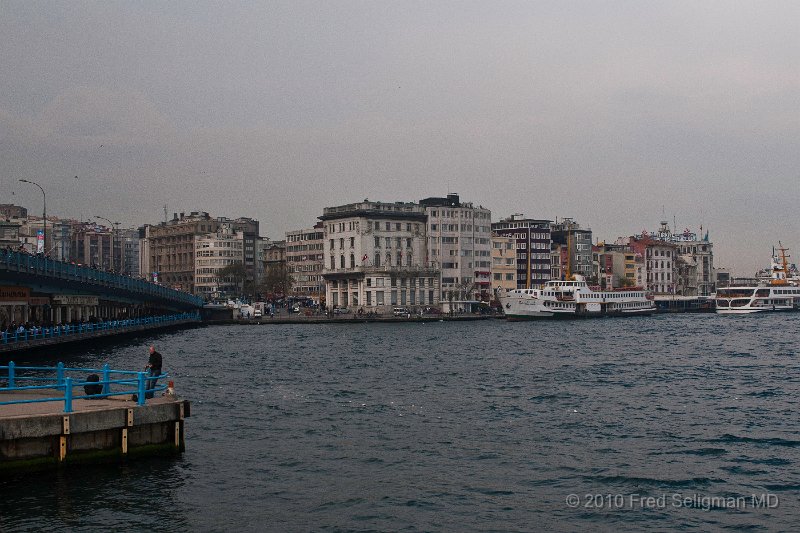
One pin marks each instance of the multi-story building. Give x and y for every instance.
(660, 260)
(504, 262)
(128, 243)
(214, 252)
(275, 254)
(619, 266)
(170, 249)
(376, 257)
(689, 262)
(10, 211)
(304, 259)
(459, 242)
(698, 256)
(9, 234)
(574, 245)
(248, 227)
(532, 238)
(92, 244)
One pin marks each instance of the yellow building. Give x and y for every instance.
(504, 262)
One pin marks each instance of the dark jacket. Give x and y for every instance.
(155, 362)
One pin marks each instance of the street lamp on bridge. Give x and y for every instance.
(44, 215)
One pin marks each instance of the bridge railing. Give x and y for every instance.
(33, 264)
(66, 330)
(57, 378)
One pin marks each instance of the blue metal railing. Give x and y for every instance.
(89, 327)
(32, 264)
(132, 382)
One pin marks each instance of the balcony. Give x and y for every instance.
(427, 270)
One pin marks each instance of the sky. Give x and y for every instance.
(617, 114)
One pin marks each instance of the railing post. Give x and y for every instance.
(60, 374)
(68, 395)
(11, 374)
(106, 384)
(140, 395)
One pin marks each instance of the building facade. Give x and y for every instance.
(214, 252)
(376, 257)
(533, 243)
(171, 249)
(574, 245)
(504, 262)
(92, 244)
(459, 242)
(304, 259)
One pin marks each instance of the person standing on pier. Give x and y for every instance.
(154, 369)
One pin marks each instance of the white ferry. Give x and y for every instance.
(574, 298)
(779, 295)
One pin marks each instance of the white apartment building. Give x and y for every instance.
(460, 243)
(375, 257)
(213, 252)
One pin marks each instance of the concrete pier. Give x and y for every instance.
(41, 435)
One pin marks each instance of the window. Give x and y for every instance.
(377, 259)
(341, 261)
(394, 297)
(352, 261)
(377, 242)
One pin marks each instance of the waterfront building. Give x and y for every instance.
(504, 262)
(304, 260)
(170, 248)
(214, 252)
(619, 266)
(692, 261)
(276, 282)
(660, 259)
(459, 241)
(249, 228)
(275, 254)
(533, 243)
(91, 244)
(574, 245)
(128, 243)
(376, 257)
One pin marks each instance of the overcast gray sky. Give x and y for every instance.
(602, 111)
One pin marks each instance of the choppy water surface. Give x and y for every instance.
(456, 427)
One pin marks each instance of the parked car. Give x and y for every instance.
(400, 311)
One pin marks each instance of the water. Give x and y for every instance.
(480, 426)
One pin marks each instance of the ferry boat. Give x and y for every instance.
(574, 298)
(780, 294)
